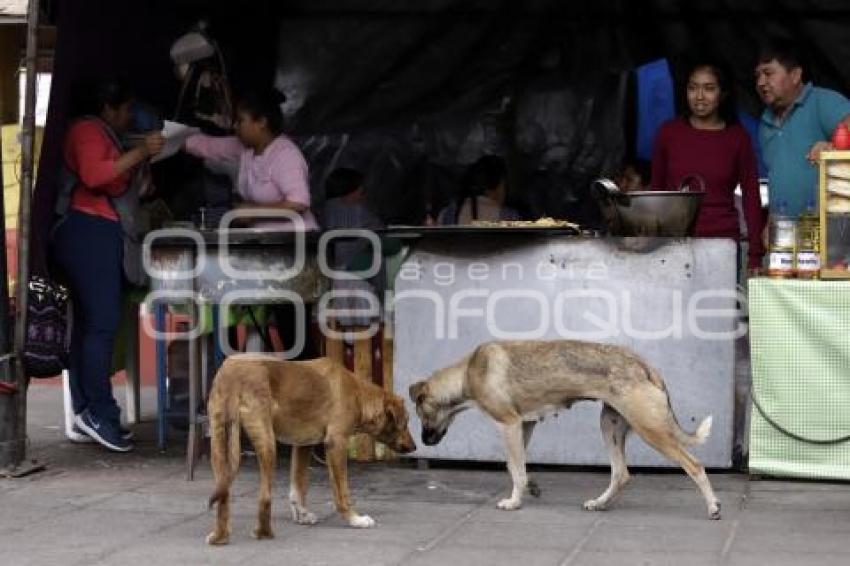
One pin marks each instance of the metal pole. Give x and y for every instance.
(7, 375)
(27, 176)
(5, 343)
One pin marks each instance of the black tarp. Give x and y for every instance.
(410, 92)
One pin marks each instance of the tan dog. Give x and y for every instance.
(302, 404)
(516, 382)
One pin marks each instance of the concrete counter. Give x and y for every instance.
(671, 300)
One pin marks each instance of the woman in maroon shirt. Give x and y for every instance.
(708, 141)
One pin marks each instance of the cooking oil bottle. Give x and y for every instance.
(808, 243)
(782, 244)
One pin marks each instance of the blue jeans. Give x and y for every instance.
(89, 250)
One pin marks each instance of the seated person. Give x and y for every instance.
(634, 176)
(346, 209)
(482, 196)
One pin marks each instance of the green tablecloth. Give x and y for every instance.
(800, 347)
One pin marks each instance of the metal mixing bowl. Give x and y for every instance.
(650, 213)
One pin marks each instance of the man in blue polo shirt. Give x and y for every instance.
(795, 127)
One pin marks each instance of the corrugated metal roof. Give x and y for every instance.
(13, 8)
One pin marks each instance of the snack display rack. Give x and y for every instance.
(834, 199)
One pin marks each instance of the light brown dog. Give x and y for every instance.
(517, 382)
(302, 404)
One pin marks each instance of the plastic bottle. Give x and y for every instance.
(808, 243)
(783, 243)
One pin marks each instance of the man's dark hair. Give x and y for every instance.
(342, 182)
(785, 52)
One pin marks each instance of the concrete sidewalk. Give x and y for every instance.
(92, 507)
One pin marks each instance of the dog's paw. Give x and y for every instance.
(305, 518)
(216, 538)
(594, 505)
(533, 488)
(509, 504)
(714, 512)
(362, 522)
(261, 533)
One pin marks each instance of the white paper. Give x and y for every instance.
(175, 135)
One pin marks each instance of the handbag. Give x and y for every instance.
(47, 343)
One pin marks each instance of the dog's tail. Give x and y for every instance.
(225, 449)
(699, 436)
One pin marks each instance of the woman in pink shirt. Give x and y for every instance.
(271, 175)
(271, 170)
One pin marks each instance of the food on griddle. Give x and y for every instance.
(544, 222)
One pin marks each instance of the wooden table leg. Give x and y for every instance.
(334, 347)
(387, 361)
(363, 445)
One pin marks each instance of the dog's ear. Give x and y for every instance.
(394, 409)
(372, 408)
(418, 391)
